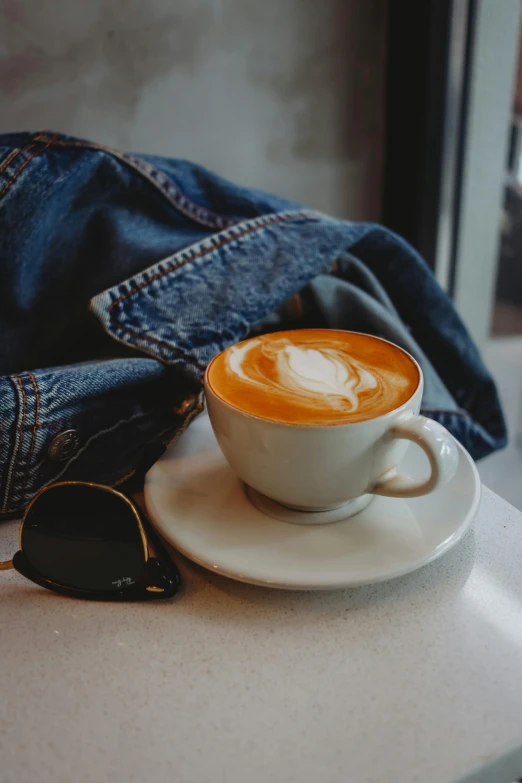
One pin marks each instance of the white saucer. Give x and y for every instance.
(201, 508)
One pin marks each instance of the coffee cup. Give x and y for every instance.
(319, 419)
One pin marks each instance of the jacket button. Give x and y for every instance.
(63, 446)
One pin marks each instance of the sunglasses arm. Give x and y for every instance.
(6, 566)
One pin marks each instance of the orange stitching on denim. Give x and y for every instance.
(33, 438)
(162, 344)
(182, 202)
(37, 152)
(201, 253)
(123, 421)
(44, 135)
(145, 170)
(93, 145)
(11, 157)
(22, 423)
(226, 240)
(6, 163)
(17, 152)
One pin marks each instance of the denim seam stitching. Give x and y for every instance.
(20, 393)
(13, 155)
(14, 177)
(259, 224)
(162, 343)
(172, 193)
(12, 462)
(256, 225)
(17, 152)
(78, 453)
(183, 203)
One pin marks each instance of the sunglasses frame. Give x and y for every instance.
(161, 578)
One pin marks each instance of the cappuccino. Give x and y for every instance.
(314, 377)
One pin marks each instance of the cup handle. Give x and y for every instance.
(438, 445)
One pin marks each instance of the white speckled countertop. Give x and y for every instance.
(418, 679)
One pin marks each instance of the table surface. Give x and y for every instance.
(417, 679)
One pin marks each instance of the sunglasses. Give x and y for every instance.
(90, 541)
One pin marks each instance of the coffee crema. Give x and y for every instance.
(314, 377)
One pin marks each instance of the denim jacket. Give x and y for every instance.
(122, 275)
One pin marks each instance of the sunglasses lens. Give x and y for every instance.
(85, 538)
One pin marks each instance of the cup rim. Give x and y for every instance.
(209, 389)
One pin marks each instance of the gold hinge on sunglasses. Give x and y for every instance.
(5, 566)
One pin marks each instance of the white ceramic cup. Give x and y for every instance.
(320, 468)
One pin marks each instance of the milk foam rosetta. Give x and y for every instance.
(314, 376)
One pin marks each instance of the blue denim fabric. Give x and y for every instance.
(121, 276)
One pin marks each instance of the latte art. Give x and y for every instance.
(320, 376)
(314, 376)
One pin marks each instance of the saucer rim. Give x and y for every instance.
(256, 579)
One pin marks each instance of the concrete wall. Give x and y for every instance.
(284, 95)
